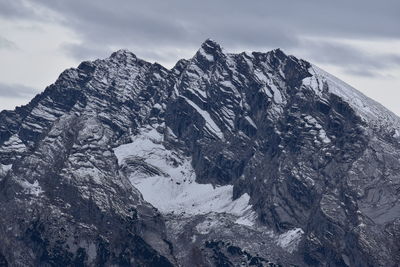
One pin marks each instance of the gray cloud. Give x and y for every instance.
(363, 72)
(168, 20)
(83, 52)
(349, 58)
(154, 28)
(7, 44)
(16, 91)
(257, 24)
(14, 9)
(21, 10)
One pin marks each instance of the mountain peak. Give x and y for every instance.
(209, 51)
(210, 44)
(123, 54)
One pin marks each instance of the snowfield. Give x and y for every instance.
(173, 189)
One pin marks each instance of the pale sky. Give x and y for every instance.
(357, 41)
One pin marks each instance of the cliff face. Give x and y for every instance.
(226, 159)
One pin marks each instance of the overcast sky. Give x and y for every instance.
(357, 40)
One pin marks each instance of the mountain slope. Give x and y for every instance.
(224, 160)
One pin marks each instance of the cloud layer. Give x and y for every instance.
(158, 25)
(16, 90)
(162, 25)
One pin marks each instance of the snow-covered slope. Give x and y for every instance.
(167, 180)
(373, 113)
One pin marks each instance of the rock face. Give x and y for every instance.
(257, 159)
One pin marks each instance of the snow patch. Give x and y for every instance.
(41, 111)
(157, 106)
(260, 76)
(277, 94)
(396, 133)
(5, 168)
(251, 121)
(210, 124)
(171, 184)
(14, 144)
(324, 138)
(269, 86)
(291, 239)
(207, 56)
(312, 122)
(228, 85)
(33, 189)
(247, 219)
(157, 76)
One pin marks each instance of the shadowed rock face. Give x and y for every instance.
(256, 159)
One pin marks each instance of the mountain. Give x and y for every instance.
(257, 159)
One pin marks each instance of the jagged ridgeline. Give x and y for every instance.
(250, 159)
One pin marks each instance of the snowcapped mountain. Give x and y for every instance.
(257, 159)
